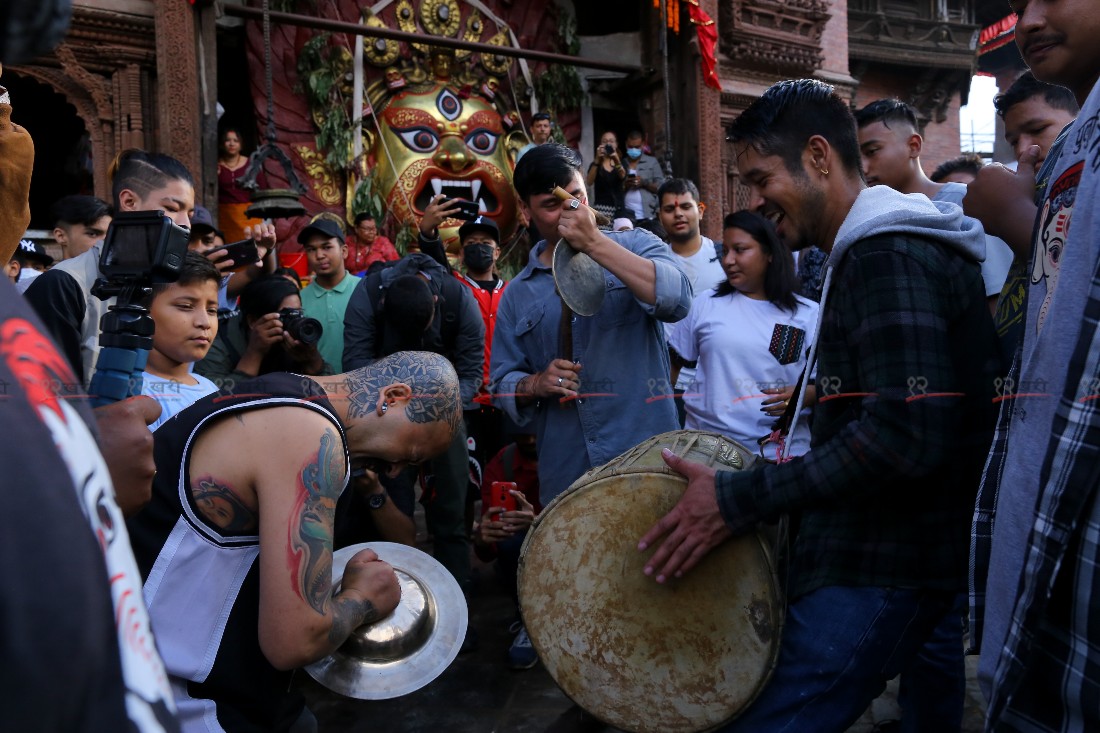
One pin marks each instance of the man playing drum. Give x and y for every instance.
(235, 547)
(598, 385)
(905, 406)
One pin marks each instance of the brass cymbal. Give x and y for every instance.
(409, 648)
(579, 279)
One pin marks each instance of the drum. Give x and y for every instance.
(688, 655)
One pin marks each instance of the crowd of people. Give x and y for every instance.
(920, 384)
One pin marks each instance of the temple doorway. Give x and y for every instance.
(62, 147)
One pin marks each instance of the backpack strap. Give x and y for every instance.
(450, 292)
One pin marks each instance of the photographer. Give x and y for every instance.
(605, 177)
(264, 337)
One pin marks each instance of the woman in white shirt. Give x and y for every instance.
(749, 337)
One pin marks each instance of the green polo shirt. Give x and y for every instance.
(328, 307)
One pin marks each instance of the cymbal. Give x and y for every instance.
(409, 648)
(579, 279)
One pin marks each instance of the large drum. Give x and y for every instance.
(688, 655)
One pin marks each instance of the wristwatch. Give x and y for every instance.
(376, 501)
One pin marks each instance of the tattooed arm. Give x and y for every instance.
(297, 487)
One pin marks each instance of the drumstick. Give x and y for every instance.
(564, 195)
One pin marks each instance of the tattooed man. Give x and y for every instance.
(236, 546)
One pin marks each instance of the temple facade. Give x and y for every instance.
(139, 73)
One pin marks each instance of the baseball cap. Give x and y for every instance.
(34, 251)
(480, 224)
(201, 221)
(324, 226)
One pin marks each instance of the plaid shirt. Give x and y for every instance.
(907, 359)
(1046, 677)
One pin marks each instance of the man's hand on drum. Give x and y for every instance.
(693, 528)
(561, 378)
(497, 525)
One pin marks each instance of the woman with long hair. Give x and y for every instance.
(749, 336)
(232, 199)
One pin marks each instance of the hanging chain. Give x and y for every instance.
(668, 93)
(267, 76)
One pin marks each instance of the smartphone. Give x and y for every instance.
(243, 253)
(467, 210)
(631, 174)
(499, 495)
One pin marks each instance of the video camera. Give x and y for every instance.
(141, 249)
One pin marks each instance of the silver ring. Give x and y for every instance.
(574, 204)
(560, 379)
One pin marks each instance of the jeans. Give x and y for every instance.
(933, 688)
(840, 646)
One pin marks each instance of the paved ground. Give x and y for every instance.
(479, 693)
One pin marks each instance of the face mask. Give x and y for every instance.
(634, 153)
(478, 257)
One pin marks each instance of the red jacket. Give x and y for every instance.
(488, 301)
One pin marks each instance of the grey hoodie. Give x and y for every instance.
(882, 210)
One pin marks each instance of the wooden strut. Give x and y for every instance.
(340, 26)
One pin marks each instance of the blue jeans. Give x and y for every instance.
(933, 687)
(840, 646)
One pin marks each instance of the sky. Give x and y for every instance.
(977, 126)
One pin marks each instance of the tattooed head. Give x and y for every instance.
(431, 377)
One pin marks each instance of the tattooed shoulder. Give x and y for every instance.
(220, 504)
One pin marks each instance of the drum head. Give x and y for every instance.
(684, 656)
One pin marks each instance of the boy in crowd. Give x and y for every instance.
(962, 169)
(27, 262)
(186, 316)
(500, 533)
(890, 148)
(80, 222)
(326, 298)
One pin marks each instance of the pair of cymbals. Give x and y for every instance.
(409, 648)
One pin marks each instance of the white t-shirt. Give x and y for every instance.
(743, 346)
(704, 271)
(174, 396)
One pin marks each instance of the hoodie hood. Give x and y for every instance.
(882, 210)
(413, 263)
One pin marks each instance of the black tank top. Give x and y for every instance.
(249, 693)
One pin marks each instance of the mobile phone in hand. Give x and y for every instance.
(500, 495)
(467, 210)
(243, 253)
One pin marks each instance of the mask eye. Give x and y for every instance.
(419, 139)
(482, 141)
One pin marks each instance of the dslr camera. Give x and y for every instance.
(302, 328)
(609, 149)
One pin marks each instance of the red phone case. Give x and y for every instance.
(499, 495)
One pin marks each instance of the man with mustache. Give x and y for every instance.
(1035, 555)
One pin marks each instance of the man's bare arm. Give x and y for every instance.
(300, 619)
